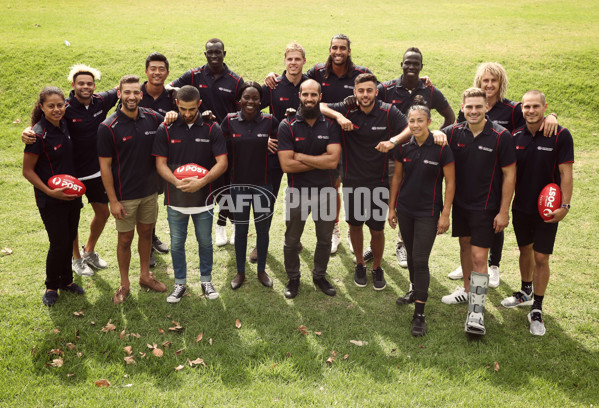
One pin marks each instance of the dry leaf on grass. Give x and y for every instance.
(71, 346)
(56, 331)
(5, 251)
(179, 351)
(303, 330)
(180, 367)
(137, 335)
(17, 121)
(157, 352)
(167, 343)
(102, 383)
(359, 343)
(129, 359)
(238, 323)
(109, 327)
(318, 333)
(56, 351)
(79, 354)
(70, 375)
(210, 341)
(330, 360)
(57, 362)
(92, 323)
(78, 313)
(199, 337)
(176, 328)
(345, 357)
(197, 361)
(274, 365)
(288, 354)
(496, 366)
(142, 354)
(128, 350)
(161, 331)
(122, 334)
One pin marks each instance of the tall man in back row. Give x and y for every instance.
(218, 86)
(485, 167)
(541, 160)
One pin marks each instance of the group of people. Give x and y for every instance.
(334, 125)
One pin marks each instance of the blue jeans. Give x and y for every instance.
(202, 222)
(263, 205)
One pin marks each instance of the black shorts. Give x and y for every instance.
(531, 229)
(478, 225)
(94, 191)
(366, 205)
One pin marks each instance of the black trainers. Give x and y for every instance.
(368, 256)
(292, 288)
(50, 297)
(406, 299)
(74, 288)
(324, 285)
(158, 245)
(176, 294)
(378, 279)
(360, 276)
(152, 259)
(418, 325)
(209, 290)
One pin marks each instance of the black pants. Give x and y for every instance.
(496, 249)
(61, 221)
(419, 235)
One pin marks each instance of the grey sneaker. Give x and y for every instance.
(176, 294)
(209, 291)
(159, 246)
(402, 256)
(93, 259)
(80, 267)
(537, 326)
(518, 299)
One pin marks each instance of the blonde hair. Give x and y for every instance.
(495, 69)
(84, 69)
(474, 93)
(295, 46)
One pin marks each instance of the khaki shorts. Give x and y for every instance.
(143, 210)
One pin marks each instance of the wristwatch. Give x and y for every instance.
(566, 206)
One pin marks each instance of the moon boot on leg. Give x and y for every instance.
(475, 322)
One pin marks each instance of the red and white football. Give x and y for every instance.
(550, 200)
(73, 184)
(190, 170)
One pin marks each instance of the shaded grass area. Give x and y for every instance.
(268, 362)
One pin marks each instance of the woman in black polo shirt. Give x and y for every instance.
(247, 133)
(416, 204)
(51, 154)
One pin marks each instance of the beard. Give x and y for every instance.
(309, 113)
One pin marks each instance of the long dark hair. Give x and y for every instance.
(36, 114)
(349, 65)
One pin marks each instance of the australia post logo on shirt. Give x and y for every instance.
(236, 135)
(379, 128)
(299, 139)
(57, 147)
(175, 140)
(486, 149)
(262, 135)
(98, 113)
(546, 149)
(406, 160)
(150, 132)
(77, 120)
(325, 137)
(434, 163)
(127, 138)
(282, 98)
(220, 88)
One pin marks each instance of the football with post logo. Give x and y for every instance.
(190, 170)
(73, 184)
(550, 200)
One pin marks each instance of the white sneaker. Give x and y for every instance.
(335, 238)
(350, 246)
(176, 294)
(520, 298)
(221, 235)
(80, 267)
(459, 295)
(232, 240)
(457, 274)
(537, 326)
(402, 256)
(93, 259)
(493, 276)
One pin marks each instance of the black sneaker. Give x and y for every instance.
(368, 256)
(209, 290)
(176, 294)
(152, 259)
(360, 276)
(50, 297)
(292, 288)
(74, 288)
(324, 285)
(158, 245)
(418, 325)
(378, 279)
(406, 299)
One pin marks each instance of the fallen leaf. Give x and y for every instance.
(496, 366)
(199, 338)
(109, 327)
(150, 346)
(102, 383)
(71, 346)
(238, 323)
(56, 351)
(57, 362)
(421, 345)
(78, 313)
(330, 360)
(210, 341)
(333, 353)
(128, 350)
(303, 330)
(6, 251)
(16, 121)
(179, 351)
(157, 352)
(161, 331)
(122, 334)
(288, 354)
(168, 316)
(180, 367)
(92, 323)
(358, 343)
(142, 354)
(129, 359)
(345, 357)
(56, 331)
(176, 328)
(167, 344)
(197, 361)
(79, 354)
(318, 333)
(135, 335)
(274, 365)
(70, 374)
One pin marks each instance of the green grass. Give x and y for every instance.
(550, 45)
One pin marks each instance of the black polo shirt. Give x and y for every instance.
(54, 149)
(420, 193)
(297, 135)
(83, 125)
(478, 164)
(363, 165)
(538, 163)
(129, 143)
(218, 94)
(396, 94)
(247, 144)
(284, 96)
(505, 113)
(334, 88)
(161, 105)
(182, 144)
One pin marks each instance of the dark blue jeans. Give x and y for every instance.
(259, 198)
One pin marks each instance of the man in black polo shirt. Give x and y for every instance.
(541, 160)
(485, 167)
(125, 141)
(309, 151)
(190, 140)
(219, 86)
(365, 170)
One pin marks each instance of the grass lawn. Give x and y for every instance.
(548, 45)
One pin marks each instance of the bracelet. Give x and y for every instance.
(395, 142)
(553, 114)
